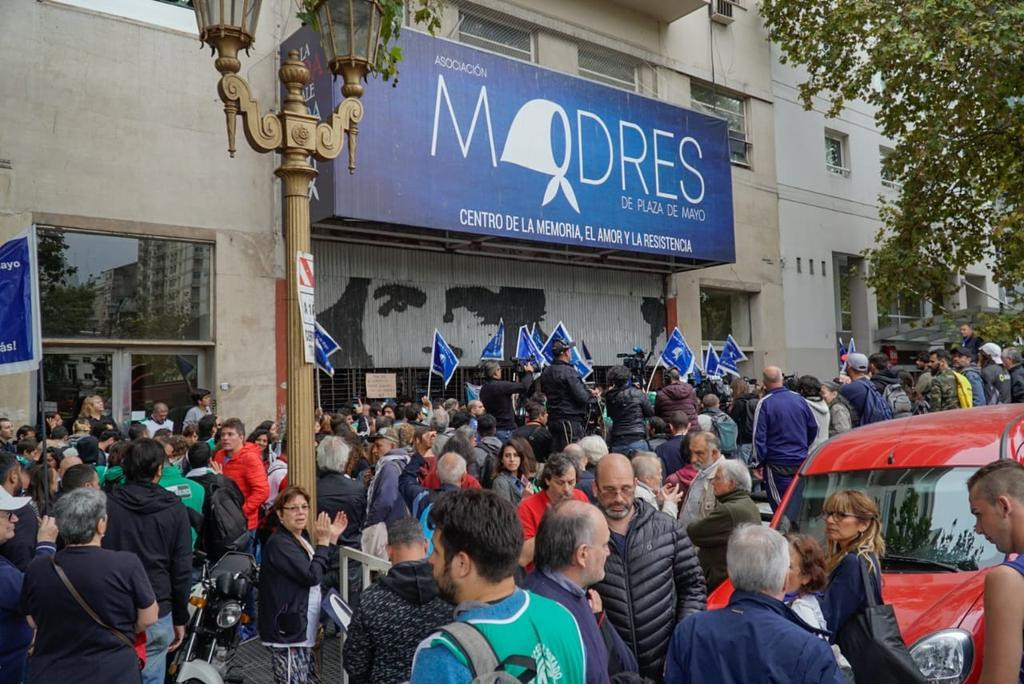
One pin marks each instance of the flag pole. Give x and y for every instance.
(317, 388)
(653, 371)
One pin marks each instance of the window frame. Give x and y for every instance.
(603, 78)
(491, 45)
(714, 109)
(887, 183)
(843, 169)
(744, 338)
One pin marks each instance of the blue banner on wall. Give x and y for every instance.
(20, 337)
(475, 142)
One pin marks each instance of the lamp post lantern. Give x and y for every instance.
(350, 30)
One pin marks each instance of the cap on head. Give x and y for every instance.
(858, 362)
(993, 351)
(389, 433)
(560, 346)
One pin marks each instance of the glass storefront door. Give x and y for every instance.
(130, 380)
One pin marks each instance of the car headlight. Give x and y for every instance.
(944, 657)
(229, 614)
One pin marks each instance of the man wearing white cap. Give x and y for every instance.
(993, 374)
(15, 633)
(862, 395)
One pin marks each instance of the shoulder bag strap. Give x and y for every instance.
(85, 606)
(478, 651)
(869, 582)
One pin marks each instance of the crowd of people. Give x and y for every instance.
(517, 542)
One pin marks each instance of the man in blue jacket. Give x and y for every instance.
(756, 638)
(784, 428)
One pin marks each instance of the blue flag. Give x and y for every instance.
(842, 354)
(495, 349)
(526, 349)
(850, 349)
(677, 354)
(586, 353)
(21, 341)
(472, 392)
(575, 358)
(711, 368)
(731, 355)
(535, 336)
(443, 360)
(698, 376)
(325, 346)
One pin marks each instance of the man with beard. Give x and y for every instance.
(476, 546)
(652, 577)
(559, 478)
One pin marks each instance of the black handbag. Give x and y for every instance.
(872, 642)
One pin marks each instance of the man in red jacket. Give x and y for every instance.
(677, 395)
(241, 461)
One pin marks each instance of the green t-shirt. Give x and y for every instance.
(189, 491)
(530, 625)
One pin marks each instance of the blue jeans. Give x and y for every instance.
(158, 638)
(628, 446)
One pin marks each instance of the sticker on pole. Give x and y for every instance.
(304, 282)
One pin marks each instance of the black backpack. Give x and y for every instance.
(224, 520)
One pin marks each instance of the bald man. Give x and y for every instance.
(652, 577)
(784, 428)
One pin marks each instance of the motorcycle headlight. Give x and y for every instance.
(944, 657)
(229, 614)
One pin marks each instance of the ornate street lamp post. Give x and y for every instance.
(350, 31)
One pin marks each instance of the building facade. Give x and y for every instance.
(162, 260)
(830, 182)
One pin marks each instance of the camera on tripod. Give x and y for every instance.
(635, 361)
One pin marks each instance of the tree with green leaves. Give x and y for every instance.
(946, 78)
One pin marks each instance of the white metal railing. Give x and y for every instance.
(838, 170)
(370, 564)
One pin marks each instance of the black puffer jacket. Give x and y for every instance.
(1017, 384)
(566, 394)
(658, 583)
(627, 407)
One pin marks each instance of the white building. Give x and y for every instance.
(829, 181)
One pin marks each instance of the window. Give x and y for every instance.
(115, 286)
(495, 36)
(888, 177)
(845, 269)
(730, 108)
(905, 308)
(176, 15)
(835, 154)
(725, 312)
(608, 67)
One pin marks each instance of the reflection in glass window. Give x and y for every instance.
(724, 313)
(730, 108)
(120, 287)
(69, 378)
(925, 515)
(168, 378)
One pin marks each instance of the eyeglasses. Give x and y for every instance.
(626, 491)
(297, 507)
(837, 515)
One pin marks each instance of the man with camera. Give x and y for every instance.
(567, 397)
(496, 395)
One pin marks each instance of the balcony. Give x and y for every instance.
(664, 10)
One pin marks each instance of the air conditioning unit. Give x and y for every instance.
(721, 11)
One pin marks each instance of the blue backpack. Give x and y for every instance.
(875, 407)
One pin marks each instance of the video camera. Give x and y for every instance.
(635, 361)
(714, 385)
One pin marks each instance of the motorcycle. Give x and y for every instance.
(216, 614)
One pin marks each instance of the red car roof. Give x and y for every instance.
(966, 437)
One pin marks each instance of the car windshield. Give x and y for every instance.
(926, 516)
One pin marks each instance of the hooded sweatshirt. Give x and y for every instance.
(394, 615)
(245, 468)
(151, 522)
(821, 415)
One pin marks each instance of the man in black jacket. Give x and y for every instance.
(496, 395)
(567, 397)
(396, 613)
(652, 582)
(1014, 364)
(151, 522)
(336, 491)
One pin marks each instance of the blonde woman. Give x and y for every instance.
(92, 409)
(853, 535)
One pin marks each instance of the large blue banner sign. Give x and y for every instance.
(471, 141)
(20, 347)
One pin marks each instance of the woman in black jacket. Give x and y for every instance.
(289, 596)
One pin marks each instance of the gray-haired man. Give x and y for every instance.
(759, 639)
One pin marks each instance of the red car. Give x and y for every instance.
(934, 567)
